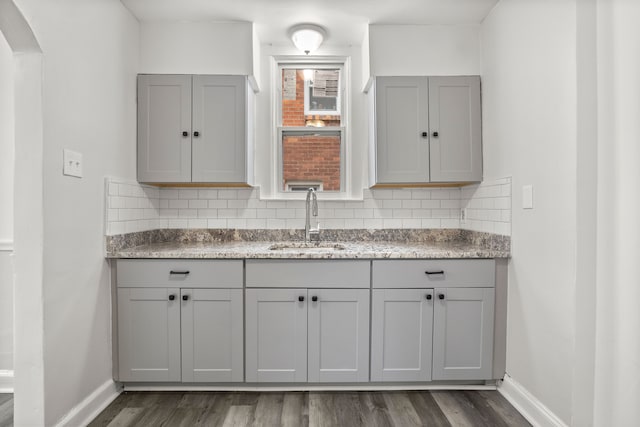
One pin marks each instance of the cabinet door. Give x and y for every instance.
(338, 335)
(463, 333)
(212, 335)
(402, 118)
(219, 119)
(276, 335)
(164, 114)
(401, 334)
(149, 334)
(454, 116)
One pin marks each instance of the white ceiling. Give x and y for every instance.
(345, 20)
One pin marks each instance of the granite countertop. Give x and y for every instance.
(337, 244)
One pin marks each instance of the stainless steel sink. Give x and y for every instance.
(311, 246)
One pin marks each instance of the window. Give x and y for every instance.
(311, 146)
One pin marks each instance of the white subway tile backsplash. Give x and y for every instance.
(488, 206)
(198, 204)
(411, 204)
(131, 206)
(217, 204)
(187, 193)
(217, 223)
(197, 223)
(178, 204)
(207, 194)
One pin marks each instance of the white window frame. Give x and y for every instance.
(316, 62)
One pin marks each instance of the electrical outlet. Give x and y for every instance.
(463, 215)
(72, 163)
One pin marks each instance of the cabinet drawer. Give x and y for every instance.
(434, 273)
(179, 273)
(308, 273)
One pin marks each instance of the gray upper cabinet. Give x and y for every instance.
(455, 146)
(402, 116)
(192, 129)
(164, 114)
(428, 129)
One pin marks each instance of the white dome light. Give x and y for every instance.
(307, 37)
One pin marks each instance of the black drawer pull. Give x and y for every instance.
(429, 296)
(185, 272)
(185, 297)
(300, 298)
(434, 272)
(441, 296)
(172, 297)
(314, 298)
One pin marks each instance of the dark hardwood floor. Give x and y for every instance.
(318, 409)
(6, 410)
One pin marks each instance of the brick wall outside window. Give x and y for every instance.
(305, 157)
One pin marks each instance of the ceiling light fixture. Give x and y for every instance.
(307, 37)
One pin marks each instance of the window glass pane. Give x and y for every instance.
(311, 97)
(311, 160)
(312, 137)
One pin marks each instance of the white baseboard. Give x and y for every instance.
(6, 381)
(530, 407)
(83, 413)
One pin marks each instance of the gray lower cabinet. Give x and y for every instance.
(212, 332)
(179, 320)
(307, 335)
(432, 320)
(401, 334)
(463, 333)
(276, 335)
(192, 128)
(149, 334)
(428, 129)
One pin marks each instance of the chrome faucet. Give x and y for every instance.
(311, 205)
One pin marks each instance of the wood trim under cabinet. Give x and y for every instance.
(423, 185)
(199, 184)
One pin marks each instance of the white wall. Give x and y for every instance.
(196, 48)
(434, 50)
(6, 142)
(90, 52)
(529, 125)
(617, 382)
(6, 312)
(6, 205)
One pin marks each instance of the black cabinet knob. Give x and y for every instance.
(300, 298)
(424, 134)
(435, 134)
(314, 298)
(172, 297)
(196, 134)
(185, 133)
(440, 296)
(185, 297)
(429, 296)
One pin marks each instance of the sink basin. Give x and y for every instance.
(311, 246)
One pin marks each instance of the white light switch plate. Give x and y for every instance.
(527, 197)
(72, 163)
